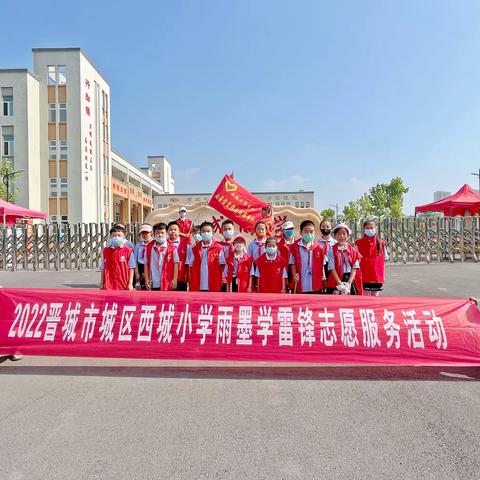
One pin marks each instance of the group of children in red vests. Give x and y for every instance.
(180, 256)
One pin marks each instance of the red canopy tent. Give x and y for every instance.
(465, 202)
(9, 213)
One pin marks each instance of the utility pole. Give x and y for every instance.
(478, 175)
(6, 181)
(336, 209)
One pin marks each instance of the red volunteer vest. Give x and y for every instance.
(215, 270)
(185, 225)
(318, 255)
(271, 274)
(372, 263)
(182, 257)
(166, 275)
(244, 269)
(116, 271)
(353, 256)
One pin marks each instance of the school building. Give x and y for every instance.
(299, 199)
(55, 131)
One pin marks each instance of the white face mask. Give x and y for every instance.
(239, 247)
(228, 234)
(161, 239)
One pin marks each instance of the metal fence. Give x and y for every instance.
(79, 246)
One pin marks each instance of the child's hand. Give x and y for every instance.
(130, 288)
(148, 285)
(296, 278)
(173, 285)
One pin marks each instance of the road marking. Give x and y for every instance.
(456, 375)
(442, 288)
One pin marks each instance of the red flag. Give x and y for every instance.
(238, 204)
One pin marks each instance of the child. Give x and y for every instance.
(161, 272)
(197, 237)
(344, 264)
(181, 244)
(118, 262)
(271, 269)
(257, 247)
(307, 260)
(326, 241)
(140, 255)
(127, 241)
(239, 268)
(184, 224)
(206, 263)
(228, 232)
(372, 264)
(286, 241)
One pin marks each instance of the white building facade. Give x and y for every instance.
(299, 199)
(56, 128)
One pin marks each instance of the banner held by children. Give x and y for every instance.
(243, 327)
(238, 204)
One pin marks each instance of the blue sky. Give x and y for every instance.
(331, 96)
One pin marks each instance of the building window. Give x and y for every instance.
(63, 150)
(296, 204)
(53, 219)
(52, 150)
(307, 204)
(302, 204)
(63, 112)
(62, 77)
(53, 187)
(7, 101)
(52, 113)
(7, 142)
(63, 187)
(52, 75)
(106, 195)
(105, 164)
(64, 218)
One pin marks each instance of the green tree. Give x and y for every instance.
(328, 213)
(5, 167)
(351, 210)
(396, 189)
(382, 200)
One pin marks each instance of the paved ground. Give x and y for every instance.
(114, 419)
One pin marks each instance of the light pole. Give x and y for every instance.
(6, 180)
(478, 175)
(336, 209)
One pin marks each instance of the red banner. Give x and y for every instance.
(238, 204)
(245, 327)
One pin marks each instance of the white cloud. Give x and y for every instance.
(292, 182)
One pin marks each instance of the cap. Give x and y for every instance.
(287, 225)
(146, 228)
(182, 209)
(342, 225)
(239, 237)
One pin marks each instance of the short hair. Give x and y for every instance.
(261, 222)
(160, 226)
(115, 229)
(271, 240)
(173, 223)
(324, 221)
(196, 227)
(307, 223)
(121, 226)
(206, 224)
(227, 222)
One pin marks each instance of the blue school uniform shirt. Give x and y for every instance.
(204, 264)
(140, 253)
(347, 267)
(156, 265)
(306, 260)
(331, 243)
(256, 249)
